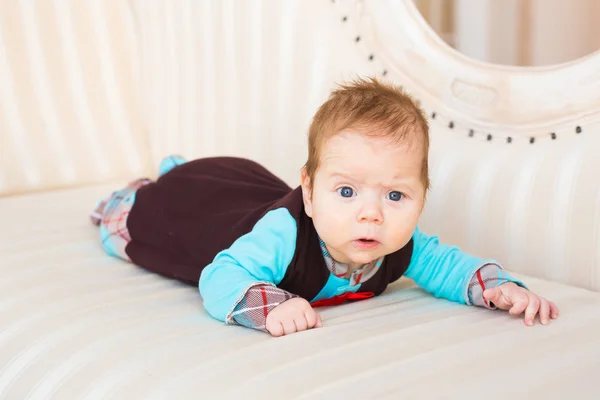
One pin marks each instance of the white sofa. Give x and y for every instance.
(93, 94)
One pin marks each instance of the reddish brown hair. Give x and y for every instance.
(372, 108)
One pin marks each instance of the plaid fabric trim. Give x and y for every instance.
(486, 277)
(256, 304)
(334, 267)
(111, 215)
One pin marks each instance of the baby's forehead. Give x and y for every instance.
(383, 159)
(359, 141)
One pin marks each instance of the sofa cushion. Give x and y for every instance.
(76, 322)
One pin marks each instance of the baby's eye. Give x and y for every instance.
(346, 191)
(395, 196)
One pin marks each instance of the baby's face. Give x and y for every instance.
(367, 196)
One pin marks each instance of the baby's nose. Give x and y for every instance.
(372, 214)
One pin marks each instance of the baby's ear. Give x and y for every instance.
(306, 192)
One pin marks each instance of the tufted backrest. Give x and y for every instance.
(244, 78)
(514, 157)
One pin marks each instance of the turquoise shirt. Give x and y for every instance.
(264, 254)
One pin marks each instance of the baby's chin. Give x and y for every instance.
(363, 258)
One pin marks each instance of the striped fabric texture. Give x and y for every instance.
(98, 91)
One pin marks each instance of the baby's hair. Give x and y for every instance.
(372, 108)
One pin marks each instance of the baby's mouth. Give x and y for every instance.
(364, 243)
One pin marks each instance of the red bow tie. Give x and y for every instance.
(342, 298)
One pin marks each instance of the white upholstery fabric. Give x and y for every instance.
(240, 77)
(75, 323)
(69, 100)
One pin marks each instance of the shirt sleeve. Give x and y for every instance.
(260, 257)
(259, 300)
(444, 270)
(487, 277)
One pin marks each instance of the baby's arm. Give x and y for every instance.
(448, 272)
(239, 286)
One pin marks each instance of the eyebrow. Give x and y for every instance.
(396, 180)
(339, 175)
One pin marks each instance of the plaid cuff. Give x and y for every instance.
(487, 277)
(256, 304)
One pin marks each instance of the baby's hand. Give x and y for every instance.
(293, 315)
(510, 296)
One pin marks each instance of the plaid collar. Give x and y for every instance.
(339, 269)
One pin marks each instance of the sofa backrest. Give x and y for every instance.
(100, 91)
(69, 95)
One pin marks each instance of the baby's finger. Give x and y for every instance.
(502, 302)
(311, 318)
(553, 310)
(275, 329)
(319, 323)
(544, 311)
(532, 309)
(493, 296)
(301, 323)
(520, 302)
(289, 326)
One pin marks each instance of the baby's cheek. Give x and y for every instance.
(329, 221)
(332, 211)
(403, 226)
(330, 225)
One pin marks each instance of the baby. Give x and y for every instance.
(265, 255)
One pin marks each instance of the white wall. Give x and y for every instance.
(488, 30)
(562, 30)
(518, 32)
